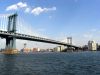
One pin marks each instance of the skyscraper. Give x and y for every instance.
(92, 45)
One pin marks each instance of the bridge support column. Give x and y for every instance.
(11, 41)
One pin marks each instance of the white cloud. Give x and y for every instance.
(39, 10)
(27, 10)
(16, 6)
(21, 5)
(12, 7)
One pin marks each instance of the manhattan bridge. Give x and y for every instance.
(10, 30)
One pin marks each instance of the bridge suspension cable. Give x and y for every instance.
(3, 22)
(23, 27)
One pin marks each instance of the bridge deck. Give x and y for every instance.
(5, 34)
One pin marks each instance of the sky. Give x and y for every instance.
(57, 19)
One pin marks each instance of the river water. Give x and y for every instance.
(72, 63)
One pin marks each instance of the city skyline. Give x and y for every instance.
(58, 19)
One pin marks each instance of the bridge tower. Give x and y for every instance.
(69, 40)
(11, 41)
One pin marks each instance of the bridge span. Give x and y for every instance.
(5, 34)
(10, 35)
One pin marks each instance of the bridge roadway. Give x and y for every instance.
(5, 34)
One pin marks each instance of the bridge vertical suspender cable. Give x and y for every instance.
(3, 22)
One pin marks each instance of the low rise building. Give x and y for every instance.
(26, 50)
(36, 50)
(59, 48)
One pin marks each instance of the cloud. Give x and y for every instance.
(39, 10)
(21, 5)
(16, 6)
(12, 7)
(27, 10)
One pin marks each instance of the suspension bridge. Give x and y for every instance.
(8, 30)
